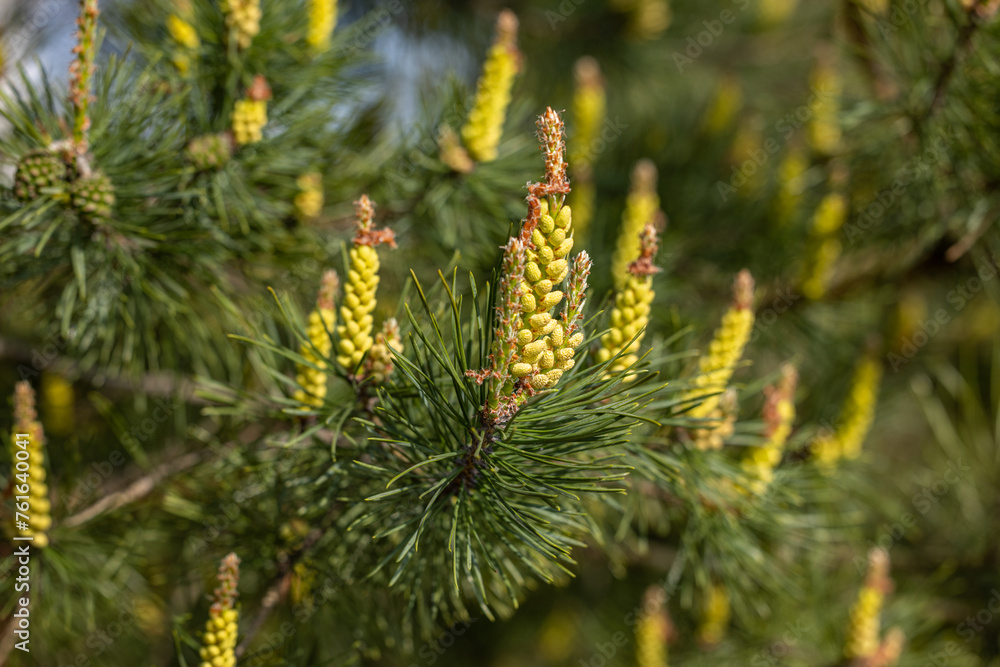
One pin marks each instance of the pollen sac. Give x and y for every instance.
(563, 248)
(520, 369)
(532, 350)
(545, 225)
(557, 270)
(548, 328)
(566, 353)
(543, 287)
(564, 217)
(532, 272)
(556, 336)
(550, 300)
(540, 381)
(539, 320)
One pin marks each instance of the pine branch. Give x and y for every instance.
(137, 490)
(279, 587)
(964, 244)
(160, 383)
(882, 85)
(962, 42)
(7, 640)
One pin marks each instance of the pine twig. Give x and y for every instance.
(882, 84)
(278, 589)
(136, 490)
(962, 42)
(962, 246)
(7, 641)
(151, 384)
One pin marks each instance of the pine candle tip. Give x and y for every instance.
(743, 288)
(81, 71)
(24, 403)
(507, 24)
(890, 649)
(873, 343)
(729, 401)
(825, 54)
(789, 380)
(878, 569)
(551, 136)
(259, 90)
(453, 153)
(379, 362)
(839, 174)
(328, 286)
(390, 328)
(778, 397)
(582, 265)
(660, 221)
(364, 211)
(576, 291)
(587, 72)
(644, 175)
(229, 575)
(654, 599)
(649, 244)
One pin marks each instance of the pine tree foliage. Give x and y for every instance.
(697, 384)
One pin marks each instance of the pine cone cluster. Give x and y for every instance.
(93, 196)
(37, 170)
(87, 191)
(210, 151)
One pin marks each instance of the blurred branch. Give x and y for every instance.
(278, 589)
(136, 490)
(962, 246)
(962, 42)
(882, 84)
(153, 384)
